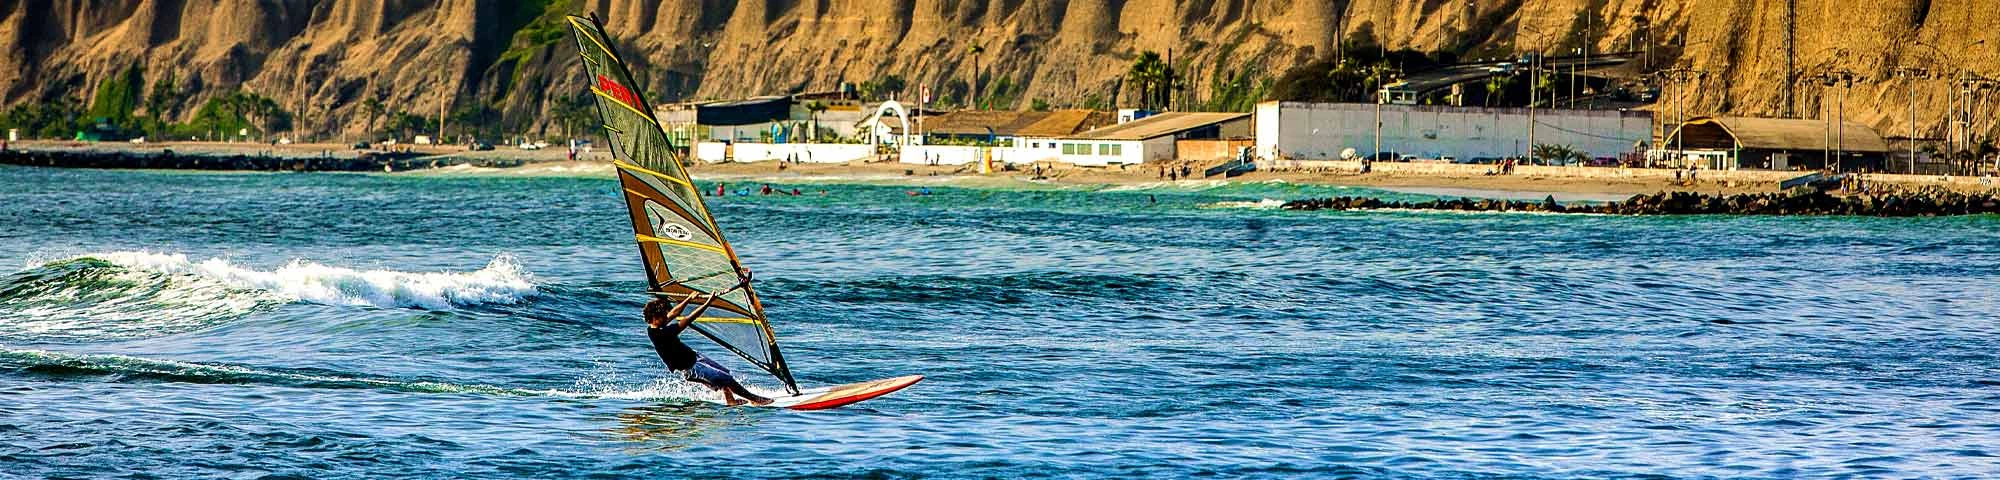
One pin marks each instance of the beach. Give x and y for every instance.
(1565, 183)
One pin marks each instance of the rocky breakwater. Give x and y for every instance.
(372, 161)
(1899, 204)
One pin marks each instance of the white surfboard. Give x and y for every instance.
(836, 396)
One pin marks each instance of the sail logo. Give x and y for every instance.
(617, 92)
(674, 231)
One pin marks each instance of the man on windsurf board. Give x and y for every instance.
(664, 324)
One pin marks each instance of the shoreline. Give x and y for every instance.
(1445, 180)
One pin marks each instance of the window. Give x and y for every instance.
(1037, 144)
(1069, 149)
(1104, 149)
(1117, 149)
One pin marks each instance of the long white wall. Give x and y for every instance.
(961, 154)
(803, 152)
(1320, 131)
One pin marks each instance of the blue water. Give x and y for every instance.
(158, 324)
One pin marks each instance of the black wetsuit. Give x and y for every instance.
(667, 342)
(689, 363)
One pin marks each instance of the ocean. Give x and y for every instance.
(484, 324)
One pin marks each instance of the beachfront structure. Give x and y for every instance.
(1152, 138)
(1324, 131)
(1773, 144)
(1003, 127)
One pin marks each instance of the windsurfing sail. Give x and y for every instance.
(683, 248)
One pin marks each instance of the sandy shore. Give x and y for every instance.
(1565, 183)
(1564, 188)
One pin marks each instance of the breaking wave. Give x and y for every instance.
(502, 281)
(1265, 204)
(141, 294)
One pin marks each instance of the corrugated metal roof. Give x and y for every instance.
(1794, 134)
(1012, 123)
(1063, 123)
(1159, 125)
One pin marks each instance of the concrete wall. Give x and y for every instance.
(942, 154)
(961, 155)
(1204, 150)
(804, 152)
(1440, 169)
(1320, 131)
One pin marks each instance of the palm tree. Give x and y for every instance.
(1149, 71)
(1493, 88)
(373, 107)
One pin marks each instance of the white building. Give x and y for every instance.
(1321, 131)
(1146, 139)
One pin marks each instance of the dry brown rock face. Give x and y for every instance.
(321, 57)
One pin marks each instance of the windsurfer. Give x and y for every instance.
(664, 324)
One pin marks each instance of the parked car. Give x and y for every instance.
(1385, 156)
(481, 146)
(361, 145)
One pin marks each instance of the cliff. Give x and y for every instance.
(322, 59)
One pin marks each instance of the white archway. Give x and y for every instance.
(881, 135)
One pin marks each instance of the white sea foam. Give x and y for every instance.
(1265, 204)
(501, 282)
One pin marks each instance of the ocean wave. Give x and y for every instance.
(94, 299)
(502, 281)
(1265, 204)
(124, 295)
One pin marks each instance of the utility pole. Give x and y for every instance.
(1534, 77)
(1680, 77)
(1844, 79)
(1909, 86)
(1589, 28)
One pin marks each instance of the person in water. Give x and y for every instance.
(664, 324)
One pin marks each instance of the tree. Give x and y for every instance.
(574, 113)
(117, 97)
(815, 107)
(476, 120)
(1150, 74)
(160, 102)
(1496, 88)
(975, 50)
(372, 107)
(1552, 154)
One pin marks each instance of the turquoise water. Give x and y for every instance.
(484, 325)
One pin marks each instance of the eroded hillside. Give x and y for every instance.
(323, 60)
